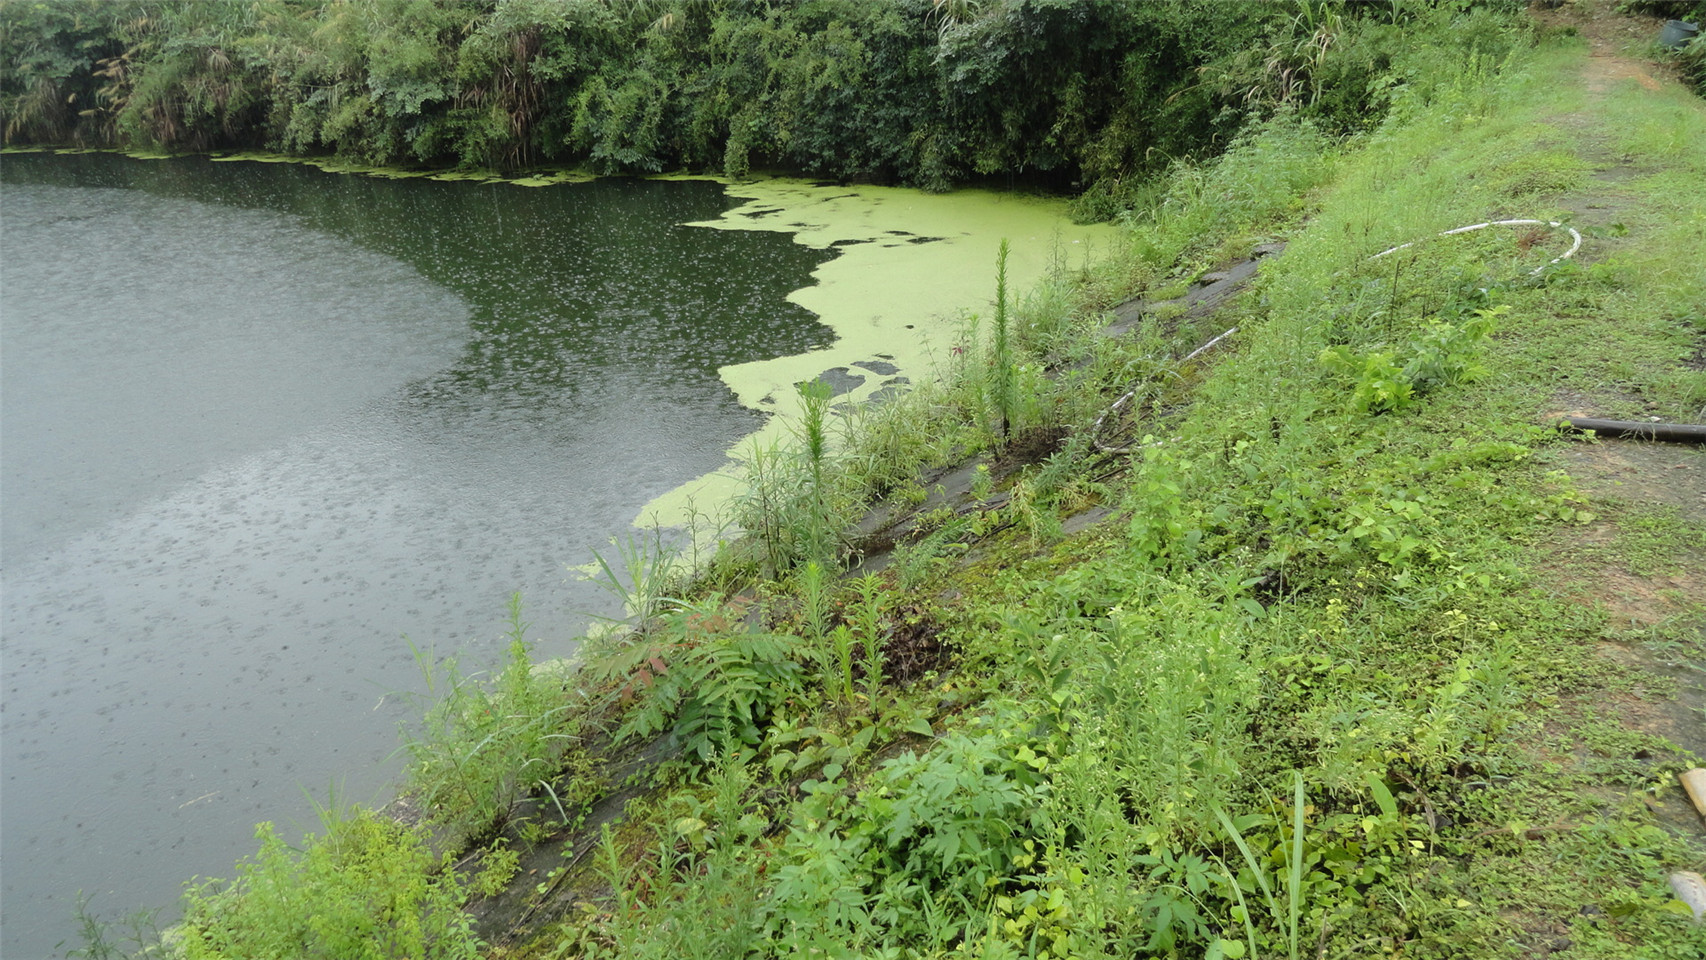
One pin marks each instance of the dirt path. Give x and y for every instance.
(1615, 41)
(1652, 599)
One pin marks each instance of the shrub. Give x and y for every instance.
(485, 745)
(919, 855)
(368, 889)
(705, 679)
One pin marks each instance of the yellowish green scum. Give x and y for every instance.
(910, 263)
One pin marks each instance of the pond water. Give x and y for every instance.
(262, 423)
(265, 430)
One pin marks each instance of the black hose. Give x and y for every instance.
(1636, 430)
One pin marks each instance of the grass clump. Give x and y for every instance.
(798, 502)
(366, 889)
(487, 743)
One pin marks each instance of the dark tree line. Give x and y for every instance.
(924, 92)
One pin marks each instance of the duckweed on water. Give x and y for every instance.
(910, 268)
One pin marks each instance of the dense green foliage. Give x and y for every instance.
(368, 889)
(1308, 689)
(927, 93)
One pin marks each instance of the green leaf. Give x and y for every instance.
(862, 740)
(1382, 796)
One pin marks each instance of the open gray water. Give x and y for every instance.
(260, 423)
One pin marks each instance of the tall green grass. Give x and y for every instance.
(485, 743)
(366, 889)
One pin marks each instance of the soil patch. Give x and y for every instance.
(1640, 471)
(1615, 42)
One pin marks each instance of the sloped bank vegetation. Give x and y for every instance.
(1311, 665)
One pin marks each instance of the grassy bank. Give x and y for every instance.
(1345, 652)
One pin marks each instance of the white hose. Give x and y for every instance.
(1097, 428)
(1576, 237)
(1193, 354)
(1575, 245)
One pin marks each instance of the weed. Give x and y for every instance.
(131, 937)
(696, 891)
(795, 495)
(868, 623)
(982, 485)
(650, 571)
(1001, 359)
(1287, 920)
(484, 745)
(1441, 356)
(814, 397)
(815, 601)
(916, 562)
(714, 682)
(498, 866)
(366, 889)
(929, 838)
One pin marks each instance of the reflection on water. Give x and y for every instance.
(262, 422)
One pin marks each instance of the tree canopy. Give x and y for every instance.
(922, 92)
